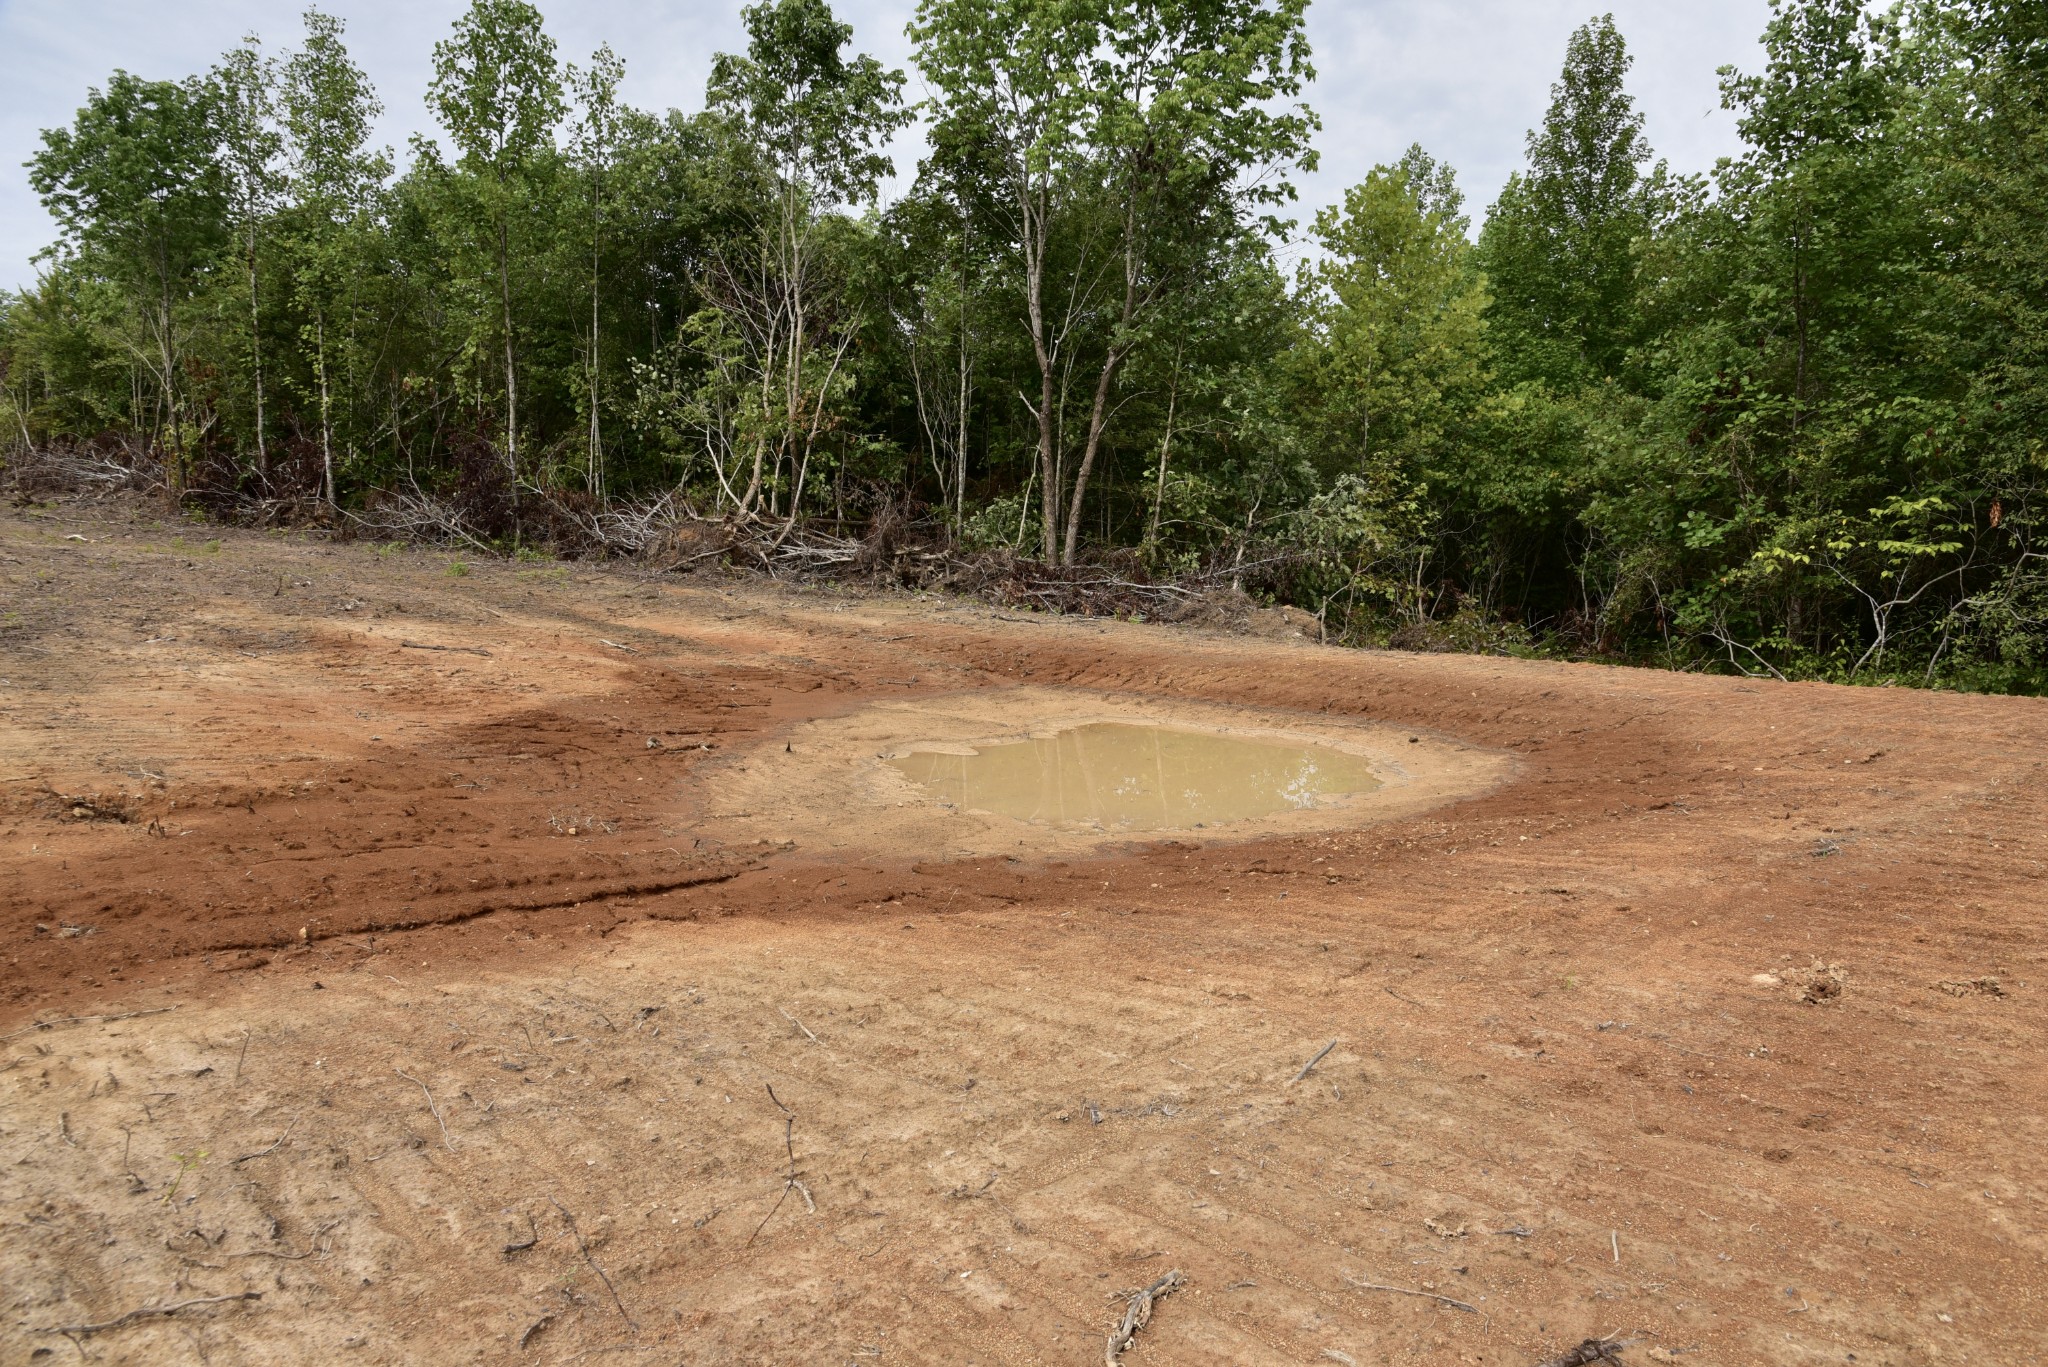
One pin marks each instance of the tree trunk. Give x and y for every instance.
(1034, 304)
(1098, 419)
(1165, 449)
(1098, 415)
(167, 352)
(326, 421)
(511, 370)
(960, 443)
(595, 477)
(256, 356)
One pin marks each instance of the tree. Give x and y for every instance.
(328, 109)
(817, 123)
(1558, 245)
(245, 95)
(595, 139)
(496, 91)
(1142, 125)
(1399, 300)
(137, 193)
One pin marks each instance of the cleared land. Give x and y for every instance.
(480, 914)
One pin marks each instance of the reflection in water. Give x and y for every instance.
(1143, 778)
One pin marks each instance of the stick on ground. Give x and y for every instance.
(584, 1249)
(445, 1137)
(81, 1020)
(1138, 1313)
(1312, 1063)
(543, 1322)
(154, 1311)
(1404, 1291)
(453, 650)
(789, 1182)
(261, 1153)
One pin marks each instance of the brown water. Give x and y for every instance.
(1138, 778)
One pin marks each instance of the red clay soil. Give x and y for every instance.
(480, 1031)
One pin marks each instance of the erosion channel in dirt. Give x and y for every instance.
(410, 961)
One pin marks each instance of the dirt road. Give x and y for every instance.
(435, 959)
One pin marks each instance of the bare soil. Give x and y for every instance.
(519, 964)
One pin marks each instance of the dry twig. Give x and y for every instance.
(789, 1178)
(81, 1020)
(1138, 1313)
(1405, 1291)
(801, 1026)
(446, 1138)
(543, 1322)
(584, 1249)
(521, 1245)
(266, 1152)
(313, 1245)
(1306, 1067)
(453, 650)
(152, 1312)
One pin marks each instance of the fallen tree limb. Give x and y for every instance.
(151, 1312)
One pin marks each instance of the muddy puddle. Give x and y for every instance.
(1130, 777)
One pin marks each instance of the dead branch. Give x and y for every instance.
(1306, 1067)
(313, 1246)
(789, 1178)
(1405, 1291)
(82, 1020)
(1138, 1313)
(446, 1138)
(455, 650)
(155, 1311)
(543, 1322)
(801, 1026)
(584, 1249)
(521, 1245)
(264, 1153)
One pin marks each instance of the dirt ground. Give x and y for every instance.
(409, 962)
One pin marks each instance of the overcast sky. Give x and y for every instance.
(1465, 78)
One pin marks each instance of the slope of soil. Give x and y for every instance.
(441, 964)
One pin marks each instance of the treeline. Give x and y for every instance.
(1789, 416)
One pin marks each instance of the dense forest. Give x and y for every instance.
(1788, 417)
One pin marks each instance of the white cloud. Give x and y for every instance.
(1465, 79)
